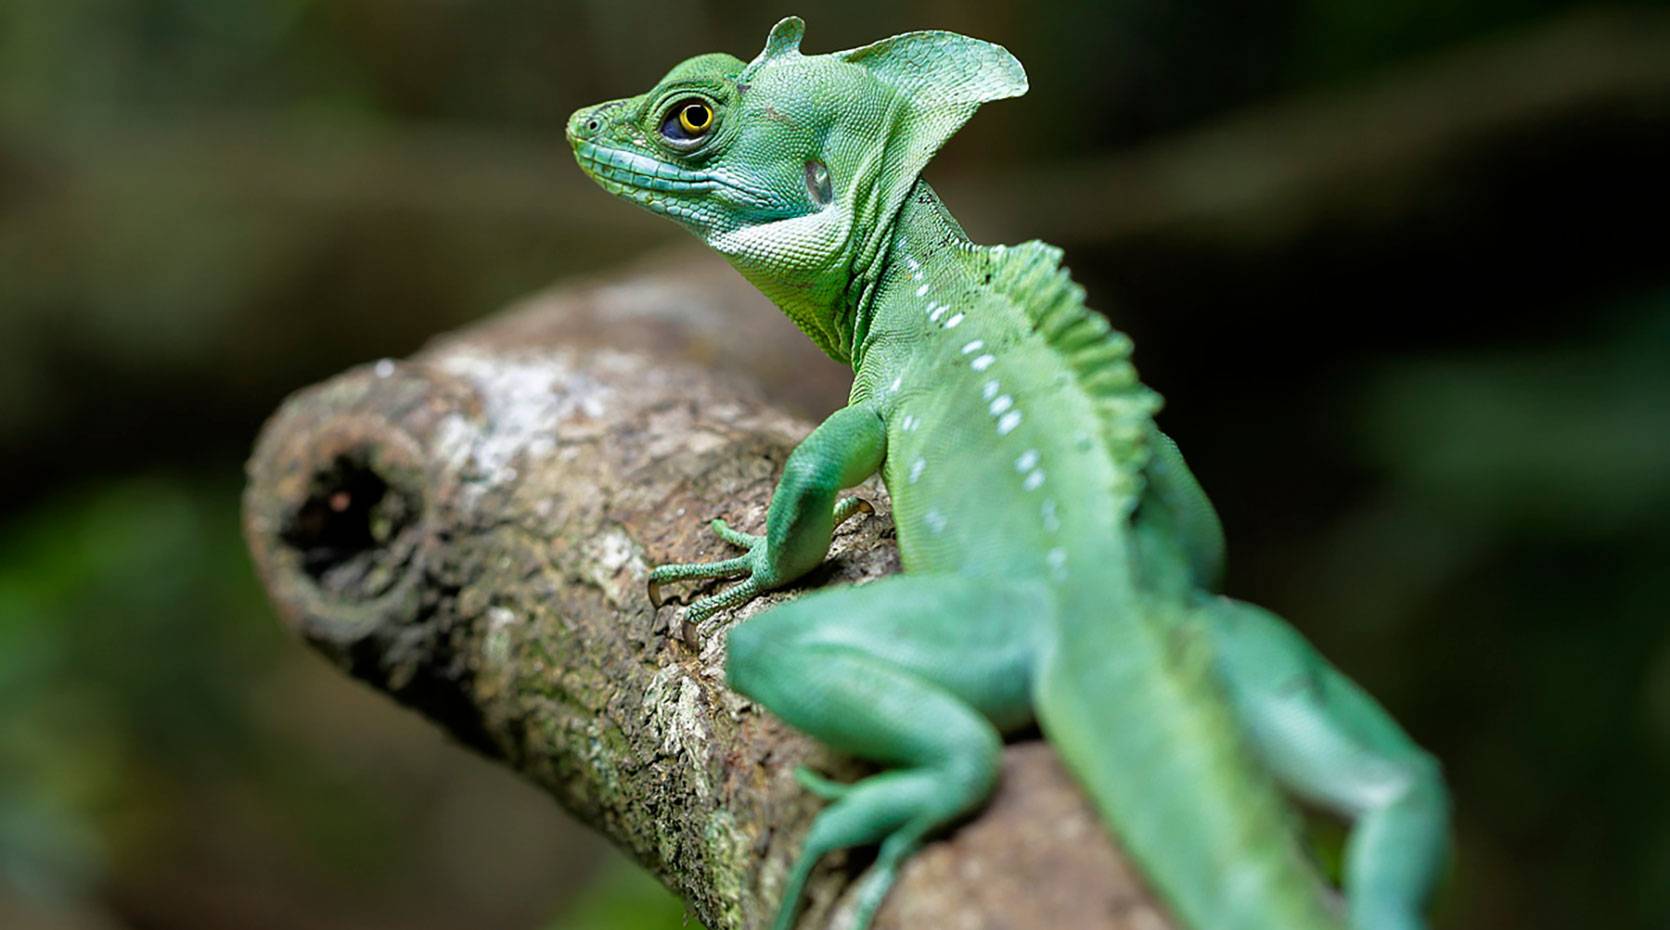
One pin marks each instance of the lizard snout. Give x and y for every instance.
(584, 125)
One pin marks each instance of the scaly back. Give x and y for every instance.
(1099, 356)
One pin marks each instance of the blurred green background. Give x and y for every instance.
(1399, 266)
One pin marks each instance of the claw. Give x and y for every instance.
(691, 572)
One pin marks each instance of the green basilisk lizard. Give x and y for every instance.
(1060, 561)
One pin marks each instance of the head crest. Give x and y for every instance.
(783, 42)
(932, 68)
(942, 69)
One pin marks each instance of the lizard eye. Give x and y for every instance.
(687, 122)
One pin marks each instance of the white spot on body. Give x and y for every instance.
(937, 313)
(990, 390)
(916, 469)
(1007, 424)
(1033, 481)
(910, 423)
(936, 521)
(913, 263)
(983, 362)
(1057, 559)
(922, 291)
(1052, 521)
(898, 380)
(952, 323)
(974, 346)
(1001, 404)
(1028, 460)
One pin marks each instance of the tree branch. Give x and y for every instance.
(468, 531)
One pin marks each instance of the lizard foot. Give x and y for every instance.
(754, 563)
(745, 564)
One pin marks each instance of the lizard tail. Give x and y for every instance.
(1132, 707)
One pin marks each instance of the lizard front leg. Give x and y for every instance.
(843, 451)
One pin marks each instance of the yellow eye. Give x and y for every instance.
(695, 118)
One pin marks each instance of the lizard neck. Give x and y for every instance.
(834, 303)
(922, 232)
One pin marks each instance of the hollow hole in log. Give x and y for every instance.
(345, 531)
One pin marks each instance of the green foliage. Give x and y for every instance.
(625, 897)
(114, 633)
(1527, 503)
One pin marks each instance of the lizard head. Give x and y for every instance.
(794, 166)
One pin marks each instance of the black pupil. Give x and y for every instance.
(696, 115)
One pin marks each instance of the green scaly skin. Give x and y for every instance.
(1060, 560)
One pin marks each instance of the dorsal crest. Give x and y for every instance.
(1030, 275)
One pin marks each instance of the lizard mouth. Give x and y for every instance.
(652, 183)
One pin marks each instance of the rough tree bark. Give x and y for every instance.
(468, 530)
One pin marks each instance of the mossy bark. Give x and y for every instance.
(469, 530)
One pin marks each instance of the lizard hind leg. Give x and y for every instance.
(918, 673)
(1326, 740)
